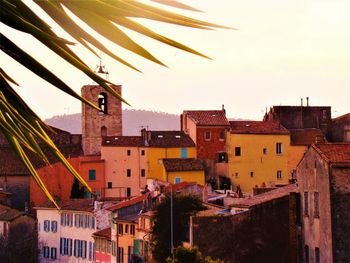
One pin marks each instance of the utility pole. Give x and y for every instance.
(171, 222)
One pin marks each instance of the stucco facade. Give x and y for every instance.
(257, 162)
(59, 180)
(118, 161)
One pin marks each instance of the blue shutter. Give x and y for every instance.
(70, 247)
(53, 253)
(75, 247)
(85, 247)
(93, 222)
(61, 246)
(54, 226)
(183, 152)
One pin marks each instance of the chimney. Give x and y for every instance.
(145, 135)
(223, 109)
(301, 102)
(307, 101)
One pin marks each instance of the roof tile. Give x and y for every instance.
(208, 117)
(257, 127)
(181, 164)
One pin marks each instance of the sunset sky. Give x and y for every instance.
(281, 51)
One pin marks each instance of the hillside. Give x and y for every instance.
(133, 121)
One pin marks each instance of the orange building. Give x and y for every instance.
(59, 181)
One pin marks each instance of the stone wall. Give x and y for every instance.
(93, 121)
(340, 207)
(265, 233)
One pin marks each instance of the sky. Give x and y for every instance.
(280, 52)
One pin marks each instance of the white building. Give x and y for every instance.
(66, 235)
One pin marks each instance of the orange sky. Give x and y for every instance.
(282, 51)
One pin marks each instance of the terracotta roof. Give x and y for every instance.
(104, 233)
(170, 139)
(133, 141)
(265, 197)
(257, 127)
(179, 186)
(211, 210)
(208, 117)
(8, 214)
(304, 136)
(86, 205)
(156, 139)
(10, 164)
(130, 202)
(342, 117)
(180, 165)
(337, 153)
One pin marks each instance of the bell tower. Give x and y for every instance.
(97, 124)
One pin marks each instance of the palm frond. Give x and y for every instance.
(20, 125)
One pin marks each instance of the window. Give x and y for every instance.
(128, 191)
(237, 151)
(132, 229)
(128, 172)
(46, 252)
(120, 255)
(222, 135)
(53, 253)
(47, 225)
(103, 131)
(316, 203)
(128, 152)
(279, 174)
(90, 250)
(222, 157)
(177, 180)
(62, 220)
(142, 152)
(109, 185)
(251, 174)
(306, 203)
(120, 229)
(143, 172)
(129, 254)
(264, 150)
(126, 228)
(307, 260)
(317, 255)
(183, 152)
(92, 174)
(54, 226)
(207, 135)
(102, 102)
(237, 174)
(278, 148)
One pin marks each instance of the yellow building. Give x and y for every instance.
(183, 170)
(258, 154)
(165, 145)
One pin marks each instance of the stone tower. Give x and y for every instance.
(96, 124)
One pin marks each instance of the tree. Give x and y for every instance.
(190, 255)
(21, 126)
(184, 206)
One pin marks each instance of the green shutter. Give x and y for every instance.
(92, 175)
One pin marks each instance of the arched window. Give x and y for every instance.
(102, 102)
(103, 131)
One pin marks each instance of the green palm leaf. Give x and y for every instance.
(20, 125)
